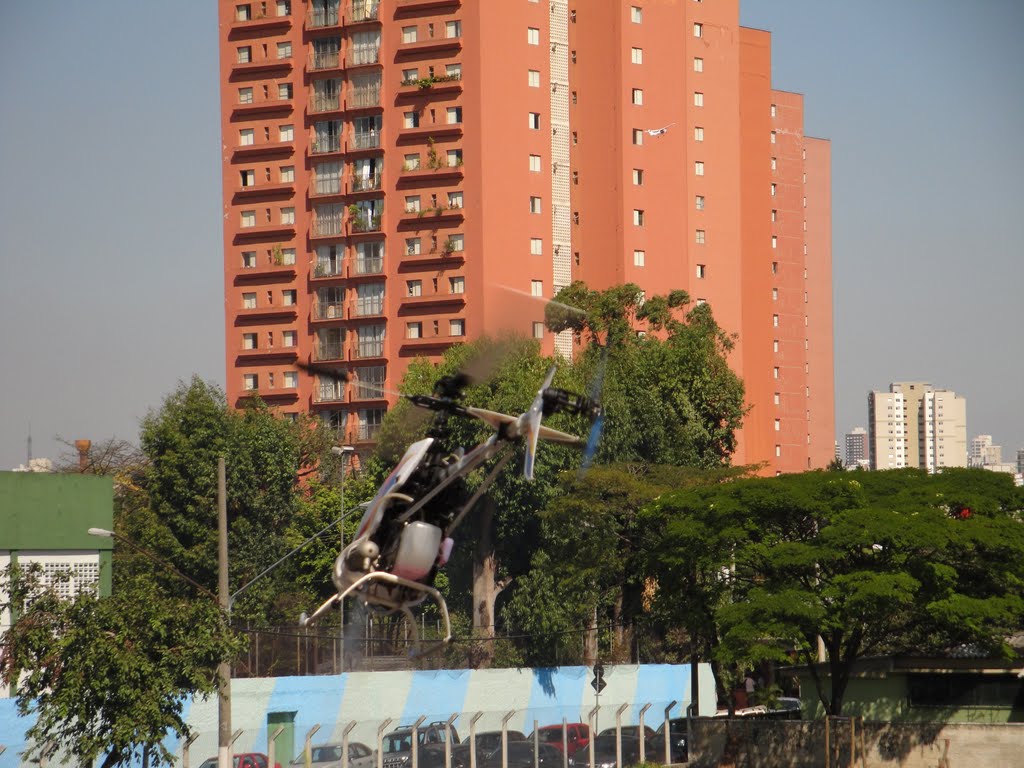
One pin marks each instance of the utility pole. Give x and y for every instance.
(224, 669)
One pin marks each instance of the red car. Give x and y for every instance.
(245, 760)
(577, 736)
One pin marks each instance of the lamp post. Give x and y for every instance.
(342, 451)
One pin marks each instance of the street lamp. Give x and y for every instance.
(342, 451)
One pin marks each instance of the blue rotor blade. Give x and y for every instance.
(592, 441)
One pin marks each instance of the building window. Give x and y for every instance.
(284, 50)
(536, 246)
(247, 178)
(698, 167)
(698, 99)
(638, 177)
(775, 215)
(453, 70)
(413, 288)
(698, 30)
(638, 136)
(244, 54)
(538, 329)
(412, 246)
(286, 133)
(534, 204)
(414, 330)
(773, 137)
(702, 271)
(533, 35)
(533, 78)
(287, 174)
(775, 241)
(454, 201)
(287, 215)
(774, 189)
(698, 133)
(535, 163)
(409, 34)
(778, 450)
(249, 340)
(698, 202)
(777, 398)
(455, 243)
(246, 137)
(774, 110)
(248, 259)
(636, 14)
(456, 285)
(411, 163)
(698, 64)
(245, 95)
(637, 55)
(639, 258)
(250, 382)
(775, 294)
(701, 234)
(454, 115)
(456, 327)
(638, 217)
(775, 321)
(774, 164)
(243, 12)
(535, 121)
(412, 203)
(452, 29)
(248, 219)
(284, 7)
(778, 425)
(638, 96)
(287, 256)
(536, 287)
(411, 119)
(291, 379)
(775, 372)
(775, 345)
(454, 158)
(290, 297)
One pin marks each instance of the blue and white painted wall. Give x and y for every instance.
(369, 698)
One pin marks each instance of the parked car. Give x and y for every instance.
(243, 760)
(430, 740)
(486, 743)
(578, 736)
(605, 754)
(654, 745)
(520, 755)
(329, 756)
(633, 731)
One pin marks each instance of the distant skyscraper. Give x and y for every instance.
(1020, 460)
(916, 425)
(982, 452)
(857, 447)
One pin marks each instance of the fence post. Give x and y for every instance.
(668, 735)
(415, 737)
(565, 742)
(472, 738)
(536, 745)
(447, 740)
(504, 738)
(853, 741)
(185, 758)
(344, 744)
(272, 746)
(641, 736)
(307, 748)
(380, 742)
(828, 751)
(618, 733)
(590, 742)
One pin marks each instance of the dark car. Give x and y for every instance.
(486, 743)
(633, 731)
(430, 740)
(605, 755)
(520, 755)
(655, 744)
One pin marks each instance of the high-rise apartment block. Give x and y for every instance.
(391, 167)
(916, 425)
(857, 450)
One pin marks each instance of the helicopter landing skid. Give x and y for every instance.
(392, 605)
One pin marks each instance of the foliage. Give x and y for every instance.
(109, 676)
(873, 563)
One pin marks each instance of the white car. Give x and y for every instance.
(329, 756)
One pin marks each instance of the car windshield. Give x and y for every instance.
(551, 735)
(326, 753)
(399, 742)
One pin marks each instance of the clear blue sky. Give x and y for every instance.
(110, 231)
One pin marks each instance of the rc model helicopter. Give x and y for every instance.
(405, 534)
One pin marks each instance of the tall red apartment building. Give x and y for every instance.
(391, 167)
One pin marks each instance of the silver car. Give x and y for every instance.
(329, 756)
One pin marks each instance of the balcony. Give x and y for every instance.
(264, 190)
(415, 304)
(403, 6)
(435, 175)
(334, 310)
(367, 350)
(323, 18)
(367, 267)
(327, 270)
(363, 55)
(271, 353)
(260, 66)
(361, 11)
(365, 140)
(430, 45)
(368, 390)
(320, 103)
(368, 433)
(325, 188)
(368, 306)
(330, 392)
(325, 145)
(358, 184)
(363, 98)
(258, 314)
(434, 84)
(259, 23)
(361, 224)
(436, 131)
(324, 61)
(329, 351)
(266, 273)
(328, 226)
(265, 231)
(429, 217)
(264, 148)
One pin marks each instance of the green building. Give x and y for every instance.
(45, 518)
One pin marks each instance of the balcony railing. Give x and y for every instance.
(362, 224)
(366, 140)
(327, 269)
(365, 54)
(365, 10)
(330, 350)
(324, 60)
(334, 310)
(330, 185)
(366, 184)
(325, 102)
(364, 97)
(326, 226)
(324, 144)
(372, 348)
(369, 431)
(324, 17)
(369, 266)
(330, 392)
(369, 305)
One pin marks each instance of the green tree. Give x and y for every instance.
(872, 563)
(108, 677)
